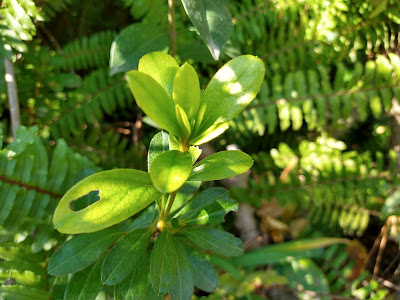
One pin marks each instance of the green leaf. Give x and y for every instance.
(162, 265)
(123, 193)
(186, 90)
(153, 100)
(123, 257)
(170, 170)
(185, 193)
(85, 284)
(306, 273)
(136, 285)
(392, 205)
(195, 152)
(162, 67)
(183, 121)
(17, 292)
(203, 273)
(182, 289)
(221, 165)
(212, 20)
(231, 89)
(208, 207)
(158, 144)
(211, 133)
(134, 42)
(218, 241)
(81, 251)
(280, 252)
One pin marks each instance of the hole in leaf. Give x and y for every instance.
(85, 201)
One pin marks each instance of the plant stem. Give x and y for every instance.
(170, 202)
(164, 214)
(172, 29)
(12, 96)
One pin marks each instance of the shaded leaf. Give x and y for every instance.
(134, 42)
(81, 251)
(203, 273)
(158, 144)
(123, 257)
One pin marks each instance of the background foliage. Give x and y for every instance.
(323, 132)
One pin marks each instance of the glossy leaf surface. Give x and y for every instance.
(221, 165)
(162, 265)
(85, 284)
(170, 170)
(231, 89)
(212, 20)
(158, 144)
(81, 251)
(218, 241)
(208, 207)
(134, 42)
(153, 99)
(123, 192)
(123, 257)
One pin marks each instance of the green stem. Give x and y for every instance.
(172, 29)
(170, 202)
(164, 214)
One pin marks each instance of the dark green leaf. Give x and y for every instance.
(136, 285)
(184, 194)
(208, 207)
(221, 165)
(122, 258)
(280, 252)
(123, 193)
(218, 241)
(203, 273)
(182, 288)
(143, 220)
(153, 99)
(85, 284)
(81, 251)
(134, 42)
(170, 170)
(162, 264)
(158, 144)
(212, 20)
(16, 292)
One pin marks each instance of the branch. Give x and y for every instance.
(12, 95)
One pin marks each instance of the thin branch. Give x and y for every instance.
(12, 95)
(172, 28)
(29, 187)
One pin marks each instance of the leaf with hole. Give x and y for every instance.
(123, 193)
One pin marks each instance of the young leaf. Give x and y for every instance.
(203, 273)
(170, 170)
(211, 133)
(158, 144)
(162, 264)
(162, 67)
(183, 121)
(132, 43)
(123, 257)
(218, 241)
(208, 207)
(85, 284)
(123, 193)
(81, 251)
(195, 153)
(153, 100)
(212, 20)
(186, 90)
(231, 89)
(221, 165)
(136, 285)
(182, 289)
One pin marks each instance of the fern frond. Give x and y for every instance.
(312, 97)
(100, 94)
(31, 186)
(88, 52)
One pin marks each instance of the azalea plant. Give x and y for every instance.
(161, 251)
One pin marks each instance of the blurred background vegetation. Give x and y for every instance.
(324, 132)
